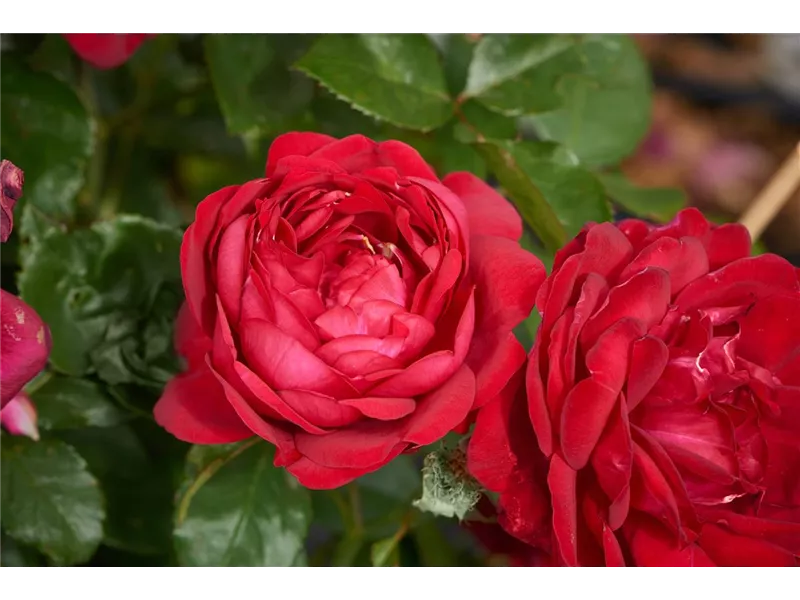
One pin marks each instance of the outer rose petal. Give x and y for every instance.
(294, 144)
(317, 477)
(194, 409)
(488, 212)
(730, 550)
(105, 50)
(654, 546)
(24, 345)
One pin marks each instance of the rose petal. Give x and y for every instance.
(537, 407)
(231, 265)
(442, 409)
(283, 363)
(562, 481)
(726, 244)
(740, 282)
(318, 477)
(493, 357)
(294, 143)
(506, 278)
(612, 462)
(770, 331)
(383, 409)
(193, 408)
(727, 549)
(652, 546)
(589, 404)
(489, 213)
(683, 259)
(19, 417)
(360, 446)
(320, 409)
(649, 356)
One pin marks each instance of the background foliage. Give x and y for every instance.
(115, 162)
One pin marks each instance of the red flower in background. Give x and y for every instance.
(106, 50)
(661, 420)
(347, 308)
(24, 338)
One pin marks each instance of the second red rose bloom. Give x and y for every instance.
(348, 307)
(661, 419)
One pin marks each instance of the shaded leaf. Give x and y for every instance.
(255, 89)
(14, 554)
(658, 204)
(456, 51)
(138, 484)
(46, 132)
(117, 292)
(50, 500)
(397, 78)
(236, 509)
(69, 403)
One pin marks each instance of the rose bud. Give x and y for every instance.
(19, 417)
(11, 180)
(661, 416)
(347, 308)
(106, 50)
(24, 345)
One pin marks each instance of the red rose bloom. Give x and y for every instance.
(662, 404)
(106, 50)
(347, 308)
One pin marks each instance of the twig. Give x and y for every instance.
(773, 197)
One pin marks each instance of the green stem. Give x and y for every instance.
(95, 176)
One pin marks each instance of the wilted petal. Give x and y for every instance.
(11, 180)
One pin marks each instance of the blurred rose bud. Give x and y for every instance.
(106, 50)
(18, 417)
(24, 345)
(11, 179)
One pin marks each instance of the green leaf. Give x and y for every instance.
(658, 204)
(480, 121)
(518, 74)
(529, 199)
(117, 291)
(574, 193)
(236, 509)
(70, 403)
(14, 554)
(397, 78)
(255, 89)
(456, 50)
(386, 552)
(50, 500)
(137, 481)
(605, 107)
(46, 132)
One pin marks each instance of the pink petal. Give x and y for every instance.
(283, 363)
(19, 417)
